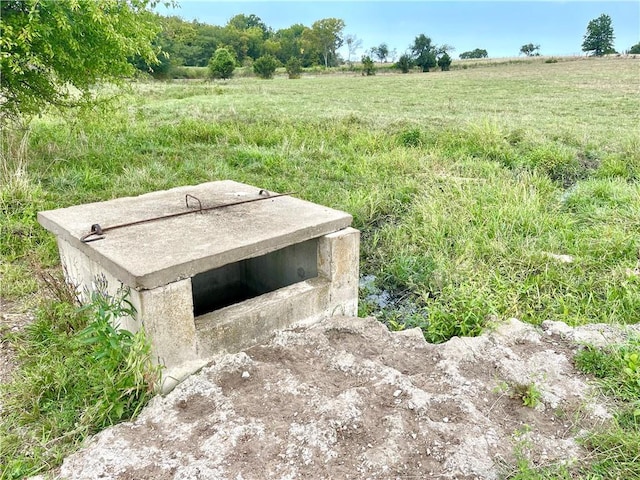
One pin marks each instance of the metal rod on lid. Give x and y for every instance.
(98, 233)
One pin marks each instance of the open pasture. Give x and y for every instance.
(481, 193)
(467, 185)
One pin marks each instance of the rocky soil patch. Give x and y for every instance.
(348, 399)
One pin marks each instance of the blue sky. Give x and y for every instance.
(500, 27)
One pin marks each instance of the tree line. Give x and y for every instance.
(48, 46)
(246, 38)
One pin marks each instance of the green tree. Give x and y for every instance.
(198, 51)
(381, 51)
(174, 43)
(368, 67)
(222, 64)
(47, 46)
(635, 49)
(444, 62)
(477, 53)
(530, 50)
(272, 47)
(245, 44)
(245, 22)
(294, 67)
(292, 44)
(599, 37)
(326, 37)
(247, 35)
(265, 66)
(424, 52)
(404, 63)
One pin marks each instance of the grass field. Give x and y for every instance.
(462, 182)
(468, 185)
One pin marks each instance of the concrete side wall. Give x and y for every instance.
(339, 261)
(239, 326)
(167, 315)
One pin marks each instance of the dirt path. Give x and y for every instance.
(348, 399)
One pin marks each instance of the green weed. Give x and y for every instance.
(523, 469)
(410, 138)
(617, 367)
(529, 393)
(616, 446)
(77, 375)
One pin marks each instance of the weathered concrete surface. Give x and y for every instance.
(240, 326)
(339, 262)
(347, 399)
(299, 259)
(152, 254)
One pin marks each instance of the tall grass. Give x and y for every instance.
(510, 190)
(617, 368)
(463, 183)
(78, 375)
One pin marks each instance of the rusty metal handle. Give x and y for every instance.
(96, 231)
(186, 201)
(99, 232)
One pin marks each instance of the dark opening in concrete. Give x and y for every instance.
(249, 278)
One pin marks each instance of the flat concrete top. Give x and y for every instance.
(156, 253)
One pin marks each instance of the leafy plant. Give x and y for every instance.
(529, 393)
(78, 375)
(632, 370)
(294, 68)
(616, 445)
(265, 66)
(222, 64)
(617, 367)
(368, 67)
(111, 344)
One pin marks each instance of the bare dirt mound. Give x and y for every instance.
(346, 398)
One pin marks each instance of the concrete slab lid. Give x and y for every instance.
(156, 253)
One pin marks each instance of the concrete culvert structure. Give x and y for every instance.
(211, 268)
